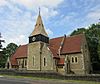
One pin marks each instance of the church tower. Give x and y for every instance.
(39, 56)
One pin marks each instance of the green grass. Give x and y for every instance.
(82, 82)
(55, 80)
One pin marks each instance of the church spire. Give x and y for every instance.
(39, 10)
(39, 27)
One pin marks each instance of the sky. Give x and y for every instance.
(18, 17)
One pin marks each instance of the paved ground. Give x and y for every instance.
(4, 80)
(7, 80)
(13, 80)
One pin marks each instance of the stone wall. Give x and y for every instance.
(51, 74)
(86, 56)
(76, 67)
(33, 54)
(82, 66)
(48, 58)
(37, 52)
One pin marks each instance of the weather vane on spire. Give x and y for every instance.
(39, 10)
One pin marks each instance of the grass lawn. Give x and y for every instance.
(52, 80)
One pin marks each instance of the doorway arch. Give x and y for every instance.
(7, 65)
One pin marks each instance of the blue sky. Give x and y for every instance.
(18, 17)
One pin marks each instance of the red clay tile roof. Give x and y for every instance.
(21, 52)
(61, 61)
(13, 60)
(71, 45)
(54, 46)
(54, 52)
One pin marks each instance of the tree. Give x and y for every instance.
(92, 34)
(10, 49)
(78, 31)
(7, 52)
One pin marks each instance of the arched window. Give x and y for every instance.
(44, 62)
(7, 65)
(33, 61)
(19, 63)
(72, 59)
(22, 63)
(25, 62)
(76, 59)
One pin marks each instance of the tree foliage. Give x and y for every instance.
(92, 34)
(78, 31)
(7, 52)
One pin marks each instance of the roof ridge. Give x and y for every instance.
(76, 35)
(23, 45)
(67, 36)
(18, 48)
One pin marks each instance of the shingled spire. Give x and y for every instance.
(39, 27)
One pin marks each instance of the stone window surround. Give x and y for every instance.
(33, 61)
(19, 62)
(44, 61)
(74, 59)
(25, 62)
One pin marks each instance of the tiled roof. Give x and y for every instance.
(71, 45)
(13, 60)
(54, 52)
(21, 52)
(54, 46)
(61, 61)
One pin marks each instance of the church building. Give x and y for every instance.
(65, 55)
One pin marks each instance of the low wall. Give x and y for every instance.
(51, 74)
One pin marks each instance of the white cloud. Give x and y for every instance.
(3, 2)
(27, 3)
(36, 3)
(17, 30)
(49, 32)
(20, 39)
(64, 19)
(47, 13)
(94, 15)
(47, 6)
(17, 18)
